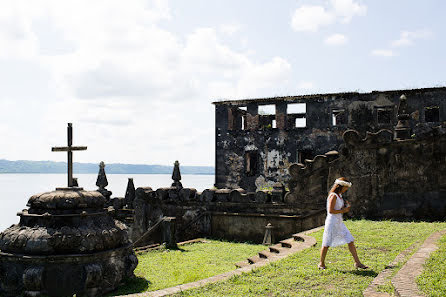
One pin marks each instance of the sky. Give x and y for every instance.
(137, 78)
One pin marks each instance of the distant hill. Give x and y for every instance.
(61, 167)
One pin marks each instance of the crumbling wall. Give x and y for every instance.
(221, 213)
(394, 179)
(278, 141)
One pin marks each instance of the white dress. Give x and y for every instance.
(335, 232)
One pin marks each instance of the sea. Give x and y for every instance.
(16, 189)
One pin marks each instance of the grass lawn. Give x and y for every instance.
(159, 269)
(378, 244)
(433, 280)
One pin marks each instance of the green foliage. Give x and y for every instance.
(378, 244)
(165, 268)
(433, 279)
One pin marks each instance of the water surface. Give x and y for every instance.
(16, 189)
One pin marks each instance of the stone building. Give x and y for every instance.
(258, 139)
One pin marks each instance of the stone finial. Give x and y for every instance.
(402, 129)
(101, 181)
(176, 175)
(130, 193)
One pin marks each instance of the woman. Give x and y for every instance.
(335, 232)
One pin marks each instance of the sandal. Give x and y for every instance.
(361, 266)
(321, 267)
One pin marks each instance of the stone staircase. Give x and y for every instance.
(284, 248)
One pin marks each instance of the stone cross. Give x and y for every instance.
(69, 149)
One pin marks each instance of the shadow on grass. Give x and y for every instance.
(361, 272)
(131, 286)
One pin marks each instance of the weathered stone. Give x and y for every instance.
(130, 193)
(207, 195)
(187, 194)
(176, 176)
(55, 259)
(262, 197)
(243, 156)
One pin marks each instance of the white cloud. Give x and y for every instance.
(383, 53)
(409, 37)
(309, 18)
(336, 39)
(229, 29)
(134, 91)
(306, 85)
(347, 9)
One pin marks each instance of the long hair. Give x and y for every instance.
(337, 188)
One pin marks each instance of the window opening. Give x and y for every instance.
(251, 160)
(297, 114)
(432, 114)
(269, 109)
(267, 115)
(296, 108)
(384, 115)
(338, 117)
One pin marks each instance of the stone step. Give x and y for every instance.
(254, 259)
(242, 264)
(275, 249)
(298, 237)
(287, 243)
(264, 254)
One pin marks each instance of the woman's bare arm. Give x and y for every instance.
(332, 203)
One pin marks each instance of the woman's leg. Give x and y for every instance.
(324, 251)
(352, 248)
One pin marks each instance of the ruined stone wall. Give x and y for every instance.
(395, 179)
(227, 214)
(392, 179)
(255, 150)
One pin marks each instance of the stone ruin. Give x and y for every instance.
(268, 170)
(176, 213)
(258, 139)
(66, 243)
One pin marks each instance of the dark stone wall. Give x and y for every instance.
(392, 179)
(245, 138)
(227, 214)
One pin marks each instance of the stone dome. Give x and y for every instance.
(65, 198)
(62, 222)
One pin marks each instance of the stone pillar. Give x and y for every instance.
(281, 118)
(269, 237)
(169, 231)
(402, 129)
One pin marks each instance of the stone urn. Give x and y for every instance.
(66, 243)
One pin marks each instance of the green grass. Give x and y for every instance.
(164, 268)
(433, 279)
(378, 243)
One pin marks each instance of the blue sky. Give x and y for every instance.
(137, 78)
